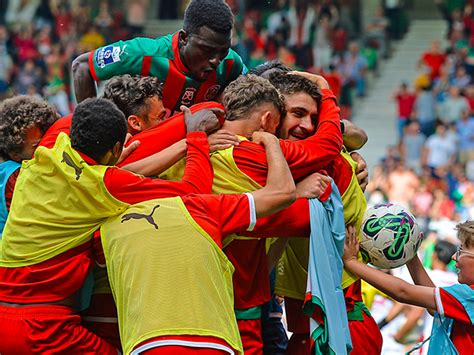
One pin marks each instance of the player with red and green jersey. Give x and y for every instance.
(195, 64)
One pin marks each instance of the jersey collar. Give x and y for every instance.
(177, 59)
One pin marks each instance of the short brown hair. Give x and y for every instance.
(466, 233)
(18, 114)
(248, 91)
(290, 84)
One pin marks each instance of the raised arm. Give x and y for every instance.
(280, 190)
(392, 286)
(353, 136)
(84, 84)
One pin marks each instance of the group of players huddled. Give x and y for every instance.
(150, 220)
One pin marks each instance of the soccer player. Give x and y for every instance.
(453, 330)
(61, 197)
(139, 98)
(193, 308)
(300, 123)
(252, 104)
(23, 122)
(195, 64)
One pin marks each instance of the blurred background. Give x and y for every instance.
(402, 70)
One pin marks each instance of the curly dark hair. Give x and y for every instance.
(246, 92)
(268, 68)
(97, 124)
(214, 14)
(18, 114)
(289, 84)
(130, 93)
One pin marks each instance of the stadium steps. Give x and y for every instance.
(377, 112)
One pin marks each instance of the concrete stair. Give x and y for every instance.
(377, 113)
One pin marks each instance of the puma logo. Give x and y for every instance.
(68, 160)
(148, 217)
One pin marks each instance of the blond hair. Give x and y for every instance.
(466, 233)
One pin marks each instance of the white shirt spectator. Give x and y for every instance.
(440, 150)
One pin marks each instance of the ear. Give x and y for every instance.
(134, 122)
(117, 149)
(183, 37)
(265, 120)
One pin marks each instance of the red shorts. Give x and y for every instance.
(101, 318)
(195, 346)
(47, 330)
(366, 336)
(251, 335)
(298, 321)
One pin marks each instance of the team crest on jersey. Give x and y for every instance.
(211, 93)
(107, 55)
(188, 96)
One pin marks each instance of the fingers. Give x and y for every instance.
(126, 151)
(217, 111)
(127, 138)
(185, 109)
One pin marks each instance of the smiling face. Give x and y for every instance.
(203, 51)
(301, 117)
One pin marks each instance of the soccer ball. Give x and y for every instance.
(389, 236)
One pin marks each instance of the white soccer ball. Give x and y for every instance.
(389, 236)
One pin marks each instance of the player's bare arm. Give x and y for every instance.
(392, 286)
(84, 85)
(280, 190)
(353, 136)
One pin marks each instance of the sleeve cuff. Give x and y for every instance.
(253, 212)
(91, 66)
(327, 94)
(439, 303)
(196, 135)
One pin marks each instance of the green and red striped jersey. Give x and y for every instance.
(160, 58)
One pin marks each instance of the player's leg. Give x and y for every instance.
(46, 330)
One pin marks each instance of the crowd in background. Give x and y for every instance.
(323, 37)
(40, 38)
(431, 170)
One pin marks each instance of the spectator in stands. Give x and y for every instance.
(301, 19)
(424, 110)
(402, 185)
(465, 131)
(439, 149)
(377, 31)
(136, 16)
(405, 102)
(461, 78)
(412, 146)
(453, 107)
(433, 58)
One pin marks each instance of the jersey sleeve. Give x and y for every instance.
(448, 306)
(221, 215)
(126, 57)
(61, 125)
(198, 175)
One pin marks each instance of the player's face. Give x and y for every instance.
(203, 51)
(32, 136)
(156, 113)
(465, 264)
(301, 117)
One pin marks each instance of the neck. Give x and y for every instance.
(244, 128)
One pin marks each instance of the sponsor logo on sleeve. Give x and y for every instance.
(188, 96)
(107, 55)
(211, 93)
